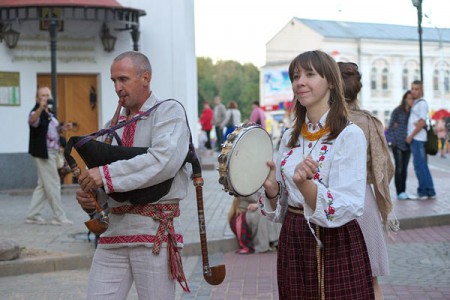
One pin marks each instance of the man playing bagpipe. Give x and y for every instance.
(142, 241)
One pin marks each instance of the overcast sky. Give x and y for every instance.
(239, 29)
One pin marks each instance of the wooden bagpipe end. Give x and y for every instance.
(100, 222)
(213, 275)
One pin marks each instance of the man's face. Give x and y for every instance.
(129, 85)
(43, 97)
(416, 91)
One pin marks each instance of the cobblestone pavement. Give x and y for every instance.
(419, 261)
(419, 257)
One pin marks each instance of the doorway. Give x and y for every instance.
(76, 103)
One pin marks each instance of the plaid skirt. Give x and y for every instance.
(345, 265)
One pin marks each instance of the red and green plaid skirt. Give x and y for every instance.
(241, 229)
(345, 262)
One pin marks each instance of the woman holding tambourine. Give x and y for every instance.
(316, 189)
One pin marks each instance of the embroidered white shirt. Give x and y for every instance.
(340, 180)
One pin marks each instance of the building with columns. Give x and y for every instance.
(387, 56)
(88, 35)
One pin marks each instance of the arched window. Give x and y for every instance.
(373, 79)
(410, 73)
(416, 74)
(379, 78)
(405, 79)
(436, 80)
(385, 79)
(441, 78)
(447, 81)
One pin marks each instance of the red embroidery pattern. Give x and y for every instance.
(128, 133)
(108, 179)
(330, 210)
(164, 213)
(130, 239)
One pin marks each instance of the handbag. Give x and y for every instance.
(60, 161)
(431, 146)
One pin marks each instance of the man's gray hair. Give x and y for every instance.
(140, 62)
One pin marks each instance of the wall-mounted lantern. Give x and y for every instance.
(108, 40)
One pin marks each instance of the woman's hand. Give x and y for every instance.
(271, 184)
(252, 207)
(305, 170)
(303, 175)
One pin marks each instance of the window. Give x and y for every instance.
(447, 81)
(387, 116)
(373, 79)
(410, 73)
(436, 81)
(405, 80)
(384, 79)
(379, 78)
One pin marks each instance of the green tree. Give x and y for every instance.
(230, 80)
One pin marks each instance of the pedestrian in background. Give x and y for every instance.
(417, 138)
(317, 190)
(380, 171)
(206, 118)
(232, 118)
(441, 131)
(396, 134)
(258, 116)
(254, 232)
(219, 115)
(44, 146)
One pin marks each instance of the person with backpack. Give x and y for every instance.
(417, 138)
(257, 116)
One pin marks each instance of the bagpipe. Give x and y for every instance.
(95, 153)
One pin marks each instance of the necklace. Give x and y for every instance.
(315, 135)
(312, 137)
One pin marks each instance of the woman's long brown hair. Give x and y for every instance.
(327, 68)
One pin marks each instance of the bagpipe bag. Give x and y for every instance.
(95, 154)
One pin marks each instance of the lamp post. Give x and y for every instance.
(53, 29)
(418, 5)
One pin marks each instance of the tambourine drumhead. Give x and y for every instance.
(246, 161)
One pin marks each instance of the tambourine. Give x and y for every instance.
(242, 161)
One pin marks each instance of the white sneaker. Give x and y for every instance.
(36, 220)
(61, 222)
(411, 197)
(402, 196)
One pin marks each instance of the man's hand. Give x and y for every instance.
(86, 200)
(409, 139)
(91, 180)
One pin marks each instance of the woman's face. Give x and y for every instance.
(409, 100)
(309, 88)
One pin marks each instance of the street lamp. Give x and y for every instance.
(418, 5)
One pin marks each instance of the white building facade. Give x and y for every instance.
(387, 57)
(166, 37)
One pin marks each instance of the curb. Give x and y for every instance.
(53, 262)
(47, 263)
(425, 221)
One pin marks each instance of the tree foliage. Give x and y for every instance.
(230, 80)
